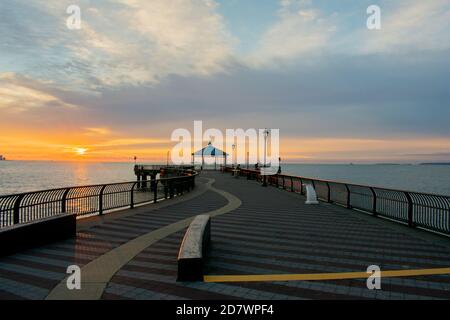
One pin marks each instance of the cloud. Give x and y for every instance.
(364, 150)
(97, 131)
(300, 30)
(307, 31)
(121, 42)
(18, 94)
(410, 26)
(142, 43)
(183, 38)
(316, 72)
(122, 142)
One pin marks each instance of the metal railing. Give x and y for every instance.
(417, 209)
(89, 200)
(142, 167)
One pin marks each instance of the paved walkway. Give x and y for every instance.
(265, 231)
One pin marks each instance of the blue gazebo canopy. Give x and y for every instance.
(211, 151)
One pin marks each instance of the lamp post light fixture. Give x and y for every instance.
(266, 134)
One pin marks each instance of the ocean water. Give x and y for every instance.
(22, 176)
(422, 178)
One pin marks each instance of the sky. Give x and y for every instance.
(137, 70)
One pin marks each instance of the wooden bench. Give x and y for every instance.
(193, 249)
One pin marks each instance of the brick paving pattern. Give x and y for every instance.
(33, 273)
(272, 232)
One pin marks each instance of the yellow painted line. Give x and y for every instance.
(324, 276)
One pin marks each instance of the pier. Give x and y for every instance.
(148, 172)
(265, 243)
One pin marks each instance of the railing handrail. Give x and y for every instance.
(349, 183)
(156, 166)
(417, 209)
(92, 185)
(92, 199)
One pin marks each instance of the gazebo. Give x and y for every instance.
(211, 152)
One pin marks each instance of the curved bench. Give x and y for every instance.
(193, 249)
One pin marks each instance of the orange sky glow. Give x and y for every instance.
(100, 144)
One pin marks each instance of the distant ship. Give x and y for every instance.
(2, 157)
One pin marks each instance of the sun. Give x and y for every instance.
(80, 151)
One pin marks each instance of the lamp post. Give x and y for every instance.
(266, 134)
(167, 160)
(279, 165)
(233, 147)
(248, 159)
(135, 158)
(203, 159)
(225, 162)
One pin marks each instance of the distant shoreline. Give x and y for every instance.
(282, 163)
(435, 164)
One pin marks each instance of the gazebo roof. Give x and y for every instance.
(210, 150)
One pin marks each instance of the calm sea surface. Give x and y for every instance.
(20, 176)
(422, 178)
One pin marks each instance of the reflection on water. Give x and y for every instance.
(21, 176)
(80, 173)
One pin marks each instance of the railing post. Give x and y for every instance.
(292, 184)
(283, 184)
(348, 196)
(145, 183)
(155, 190)
(374, 203)
(166, 191)
(410, 210)
(301, 186)
(64, 201)
(139, 181)
(328, 193)
(132, 195)
(16, 210)
(171, 189)
(100, 200)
